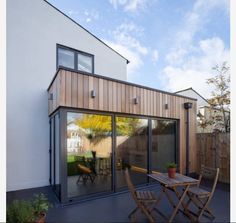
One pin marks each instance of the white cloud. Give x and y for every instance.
(126, 43)
(155, 56)
(176, 56)
(134, 57)
(91, 15)
(195, 69)
(130, 5)
(71, 12)
(126, 33)
(86, 15)
(195, 21)
(189, 63)
(88, 20)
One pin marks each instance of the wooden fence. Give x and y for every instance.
(213, 150)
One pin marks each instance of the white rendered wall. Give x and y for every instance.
(190, 93)
(33, 29)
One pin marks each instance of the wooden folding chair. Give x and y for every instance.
(201, 197)
(85, 174)
(145, 200)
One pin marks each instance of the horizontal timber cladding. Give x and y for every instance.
(73, 89)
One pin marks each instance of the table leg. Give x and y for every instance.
(179, 203)
(184, 205)
(165, 190)
(156, 204)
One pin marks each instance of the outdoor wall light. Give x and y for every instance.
(166, 106)
(93, 94)
(136, 101)
(50, 96)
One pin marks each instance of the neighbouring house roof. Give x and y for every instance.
(84, 29)
(187, 89)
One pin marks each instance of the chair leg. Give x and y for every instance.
(78, 179)
(205, 207)
(133, 212)
(209, 212)
(92, 178)
(148, 214)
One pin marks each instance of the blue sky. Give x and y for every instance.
(171, 44)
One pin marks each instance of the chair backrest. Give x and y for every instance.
(84, 169)
(130, 185)
(209, 173)
(138, 169)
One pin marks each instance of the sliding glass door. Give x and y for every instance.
(131, 150)
(163, 144)
(55, 154)
(89, 153)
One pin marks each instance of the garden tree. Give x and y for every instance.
(204, 122)
(220, 100)
(98, 127)
(128, 126)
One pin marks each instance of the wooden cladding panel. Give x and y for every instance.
(96, 88)
(100, 94)
(68, 90)
(105, 95)
(119, 97)
(80, 90)
(72, 89)
(86, 91)
(90, 99)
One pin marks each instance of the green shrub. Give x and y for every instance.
(40, 204)
(20, 211)
(171, 165)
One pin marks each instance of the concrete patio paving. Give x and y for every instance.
(116, 208)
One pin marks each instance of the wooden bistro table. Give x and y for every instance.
(172, 184)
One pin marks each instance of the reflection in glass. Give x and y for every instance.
(52, 150)
(163, 144)
(85, 63)
(57, 157)
(66, 58)
(89, 148)
(131, 150)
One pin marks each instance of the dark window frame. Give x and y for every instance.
(76, 52)
(63, 145)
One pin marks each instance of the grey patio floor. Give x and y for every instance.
(116, 208)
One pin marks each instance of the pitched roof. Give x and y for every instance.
(187, 89)
(84, 29)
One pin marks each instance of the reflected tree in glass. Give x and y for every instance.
(89, 146)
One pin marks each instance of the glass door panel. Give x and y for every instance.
(57, 159)
(89, 153)
(163, 144)
(131, 150)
